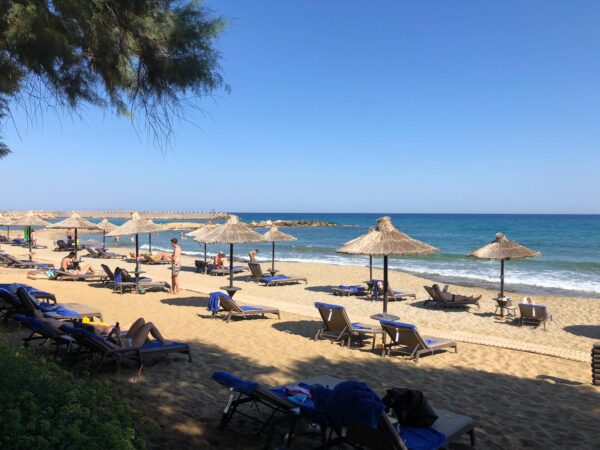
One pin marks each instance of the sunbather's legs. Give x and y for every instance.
(139, 337)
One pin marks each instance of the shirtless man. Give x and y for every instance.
(219, 260)
(252, 255)
(176, 267)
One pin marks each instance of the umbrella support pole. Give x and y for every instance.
(29, 239)
(273, 257)
(230, 265)
(76, 244)
(370, 267)
(205, 262)
(137, 264)
(501, 278)
(150, 243)
(104, 239)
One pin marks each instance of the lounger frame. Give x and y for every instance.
(407, 340)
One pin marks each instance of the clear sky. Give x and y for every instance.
(352, 106)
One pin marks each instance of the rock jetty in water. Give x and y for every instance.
(292, 223)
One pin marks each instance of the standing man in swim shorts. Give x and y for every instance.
(176, 267)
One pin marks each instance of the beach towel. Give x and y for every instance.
(214, 302)
(421, 438)
(348, 402)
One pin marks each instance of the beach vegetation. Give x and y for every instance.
(45, 406)
(149, 60)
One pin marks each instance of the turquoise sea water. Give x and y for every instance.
(570, 246)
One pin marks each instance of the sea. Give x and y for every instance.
(570, 247)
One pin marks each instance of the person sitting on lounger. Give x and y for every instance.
(70, 264)
(252, 255)
(447, 296)
(219, 261)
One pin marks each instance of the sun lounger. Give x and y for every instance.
(108, 351)
(243, 392)
(440, 298)
(349, 290)
(148, 259)
(62, 246)
(409, 341)
(224, 271)
(62, 275)
(17, 242)
(40, 295)
(219, 300)
(41, 331)
(11, 262)
(338, 327)
(92, 252)
(534, 314)
(277, 401)
(144, 283)
(60, 311)
(278, 280)
(391, 294)
(102, 253)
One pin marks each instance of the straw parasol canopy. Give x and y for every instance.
(197, 235)
(76, 222)
(503, 249)
(106, 227)
(29, 220)
(232, 232)
(136, 225)
(274, 235)
(385, 240)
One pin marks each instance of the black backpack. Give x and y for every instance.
(410, 407)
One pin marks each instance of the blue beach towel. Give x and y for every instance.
(214, 302)
(349, 402)
(275, 278)
(421, 438)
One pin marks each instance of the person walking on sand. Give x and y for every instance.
(176, 266)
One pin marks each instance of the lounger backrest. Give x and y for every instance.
(9, 298)
(404, 334)
(384, 437)
(109, 273)
(334, 317)
(37, 326)
(532, 312)
(87, 339)
(11, 258)
(27, 302)
(430, 291)
(438, 294)
(126, 277)
(229, 304)
(256, 270)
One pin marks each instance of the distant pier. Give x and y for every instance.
(154, 215)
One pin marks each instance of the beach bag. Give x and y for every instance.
(410, 407)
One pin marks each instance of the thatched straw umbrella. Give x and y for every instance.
(106, 227)
(503, 249)
(386, 240)
(274, 235)
(198, 235)
(74, 221)
(29, 220)
(136, 225)
(232, 232)
(349, 243)
(6, 220)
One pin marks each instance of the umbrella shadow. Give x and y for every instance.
(201, 302)
(304, 328)
(421, 304)
(590, 331)
(558, 380)
(322, 289)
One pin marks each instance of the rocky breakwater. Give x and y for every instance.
(292, 223)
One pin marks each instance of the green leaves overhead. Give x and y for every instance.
(147, 59)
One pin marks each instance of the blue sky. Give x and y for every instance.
(352, 106)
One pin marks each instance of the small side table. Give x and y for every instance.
(231, 290)
(272, 271)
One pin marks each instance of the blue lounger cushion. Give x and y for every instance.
(397, 324)
(327, 305)
(234, 382)
(250, 308)
(275, 278)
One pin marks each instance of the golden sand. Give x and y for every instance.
(518, 399)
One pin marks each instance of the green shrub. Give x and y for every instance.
(43, 406)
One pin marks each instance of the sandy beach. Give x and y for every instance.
(518, 399)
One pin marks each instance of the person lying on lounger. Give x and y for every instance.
(159, 257)
(136, 336)
(447, 296)
(70, 264)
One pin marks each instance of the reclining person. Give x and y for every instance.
(448, 297)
